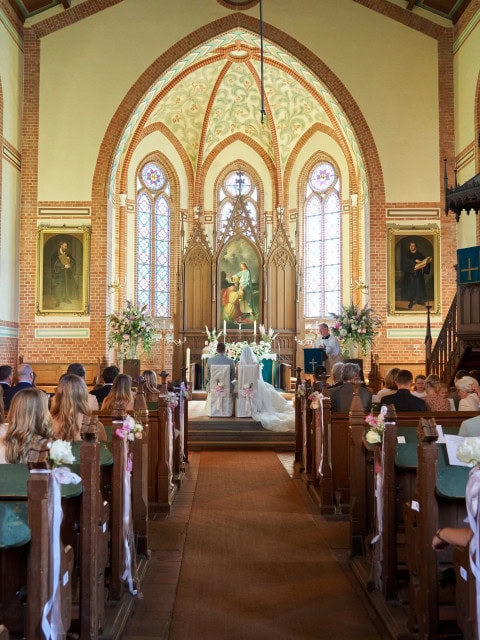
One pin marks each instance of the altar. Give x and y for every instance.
(268, 367)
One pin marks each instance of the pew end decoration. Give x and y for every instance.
(60, 453)
(469, 453)
(130, 327)
(355, 327)
(315, 398)
(374, 434)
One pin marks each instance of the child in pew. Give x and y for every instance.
(29, 428)
(121, 396)
(70, 407)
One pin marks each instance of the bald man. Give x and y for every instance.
(24, 381)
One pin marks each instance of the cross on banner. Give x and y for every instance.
(312, 358)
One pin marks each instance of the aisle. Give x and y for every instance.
(255, 563)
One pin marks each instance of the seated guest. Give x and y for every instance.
(470, 427)
(454, 395)
(69, 408)
(419, 387)
(341, 397)
(120, 396)
(337, 375)
(467, 390)
(403, 399)
(434, 401)
(25, 380)
(79, 370)
(150, 387)
(3, 428)
(29, 428)
(6, 377)
(109, 374)
(389, 384)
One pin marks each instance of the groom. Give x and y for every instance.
(221, 358)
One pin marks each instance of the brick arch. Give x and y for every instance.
(160, 65)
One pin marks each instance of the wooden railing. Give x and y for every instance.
(445, 356)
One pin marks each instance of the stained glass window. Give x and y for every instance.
(237, 183)
(153, 239)
(322, 242)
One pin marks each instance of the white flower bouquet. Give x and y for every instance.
(60, 453)
(374, 434)
(469, 451)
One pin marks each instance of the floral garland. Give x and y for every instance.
(261, 349)
(355, 326)
(128, 327)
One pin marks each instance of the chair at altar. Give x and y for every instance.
(219, 398)
(247, 386)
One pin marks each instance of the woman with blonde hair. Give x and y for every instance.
(29, 428)
(150, 386)
(434, 400)
(120, 396)
(467, 390)
(389, 383)
(70, 407)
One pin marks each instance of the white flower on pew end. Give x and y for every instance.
(469, 451)
(377, 426)
(301, 391)
(373, 436)
(60, 453)
(314, 398)
(172, 400)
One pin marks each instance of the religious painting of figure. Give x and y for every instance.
(413, 270)
(239, 286)
(62, 279)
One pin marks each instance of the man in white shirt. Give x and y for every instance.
(330, 346)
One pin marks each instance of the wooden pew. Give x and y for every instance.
(438, 501)
(33, 561)
(162, 488)
(465, 594)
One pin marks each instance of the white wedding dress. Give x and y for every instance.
(268, 406)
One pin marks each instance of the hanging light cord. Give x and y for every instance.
(262, 88)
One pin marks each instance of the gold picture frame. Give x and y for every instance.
(413, 269)
(63, 270)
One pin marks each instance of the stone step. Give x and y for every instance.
(237, 433)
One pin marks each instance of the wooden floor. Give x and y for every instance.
(152, 613)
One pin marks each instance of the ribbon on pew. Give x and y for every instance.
(472, 498)
(52, 626)
(317, 404)
(130, 564)
(379, 466)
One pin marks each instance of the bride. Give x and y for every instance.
(268, 406)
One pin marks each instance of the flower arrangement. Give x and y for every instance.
(267, 336)
(469, 451)
(261, 349)
(355, 326)
(213, 335)
(172, 400)
(219, 386)
(127, 327)
(60, 452)
(130, 428)
(374, 434)
(247, 390)
(314, 398)
(301, 390)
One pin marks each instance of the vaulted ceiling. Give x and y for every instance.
(450, 9)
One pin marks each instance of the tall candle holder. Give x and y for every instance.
(164, 328)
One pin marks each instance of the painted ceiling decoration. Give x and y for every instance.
(219, 96)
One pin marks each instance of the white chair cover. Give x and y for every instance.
(247, 388)
(219, 398)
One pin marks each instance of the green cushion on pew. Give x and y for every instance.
(14, 529)
(152, 406)
(106, 458)
(14, 477)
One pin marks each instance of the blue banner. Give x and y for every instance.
(468, 265)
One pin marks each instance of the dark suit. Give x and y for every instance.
(7, 398)
(102, 393)
(220, 358)
(5, 387)
(341, 397)
(403, 400)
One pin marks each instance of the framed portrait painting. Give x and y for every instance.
(413, 258)
(238, 284)
(63, 270)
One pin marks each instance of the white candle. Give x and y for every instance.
(224, 329)
(254, 329)
(187, 364)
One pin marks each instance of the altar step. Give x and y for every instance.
(235, 433)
